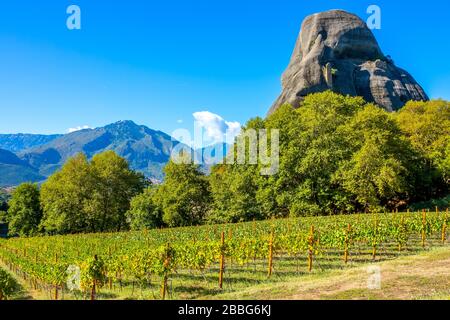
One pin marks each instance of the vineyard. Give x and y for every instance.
(194, 262)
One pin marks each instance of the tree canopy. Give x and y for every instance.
(339, 154)
(184, 197)
(144, 211)
(90, 197)
(24, 214)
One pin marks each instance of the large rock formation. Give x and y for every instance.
(336, 51)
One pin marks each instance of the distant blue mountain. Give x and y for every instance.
(19, 142)
(14, 171)
(146, 150)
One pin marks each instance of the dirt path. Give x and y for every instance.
(424, 276)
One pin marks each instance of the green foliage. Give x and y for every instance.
(89, 197)
(64, 197)
(4, 198)
(8, 285)
(114, 186)
(427, 127)
(184, 197)
(144, 213)
(314, 149)
(93, 272)
(376, 172)
(24, 214)
(3, 216)
(234, 192)
(237, 195)
(339, 154)
(441, 204)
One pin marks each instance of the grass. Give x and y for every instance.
(422, 276)
(18, 291)
(330, 278)
(418, 275)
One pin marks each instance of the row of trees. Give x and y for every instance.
(340, 154)
(337, 155)
(82, 197)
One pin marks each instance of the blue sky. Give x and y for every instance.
(159, 62)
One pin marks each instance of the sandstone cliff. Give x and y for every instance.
(337, 51)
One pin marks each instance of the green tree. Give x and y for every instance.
(237, 195)
(311, 148)
(377, 171)
(4, 197)
(443, 163)
(184, 196)
(24, 214)
(144, 213)
(114, 187)
(90, 197)
(64, 197)
(337, 154)
(427, 127)
(8, 285)
(234, 190)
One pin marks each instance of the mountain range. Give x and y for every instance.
(33, 158)
(13, 170)
(27, 157)
(19, 142)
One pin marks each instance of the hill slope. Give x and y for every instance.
(14, 171)
(146, 150)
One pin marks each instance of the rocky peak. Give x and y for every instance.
(337, 51)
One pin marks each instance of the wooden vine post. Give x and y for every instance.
(56, 285)
(310, 249)
(375, 242)
(110, 279)
(94, 283)
(93, 290)
(222, 260)
(424, 223)
(444, 227)
(269, 273)
(166, 265)
(347, 240)
(35, 262)
(402, 229)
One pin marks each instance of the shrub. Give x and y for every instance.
(8, 285)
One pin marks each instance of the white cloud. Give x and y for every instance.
(216, 128)
(70, 130)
